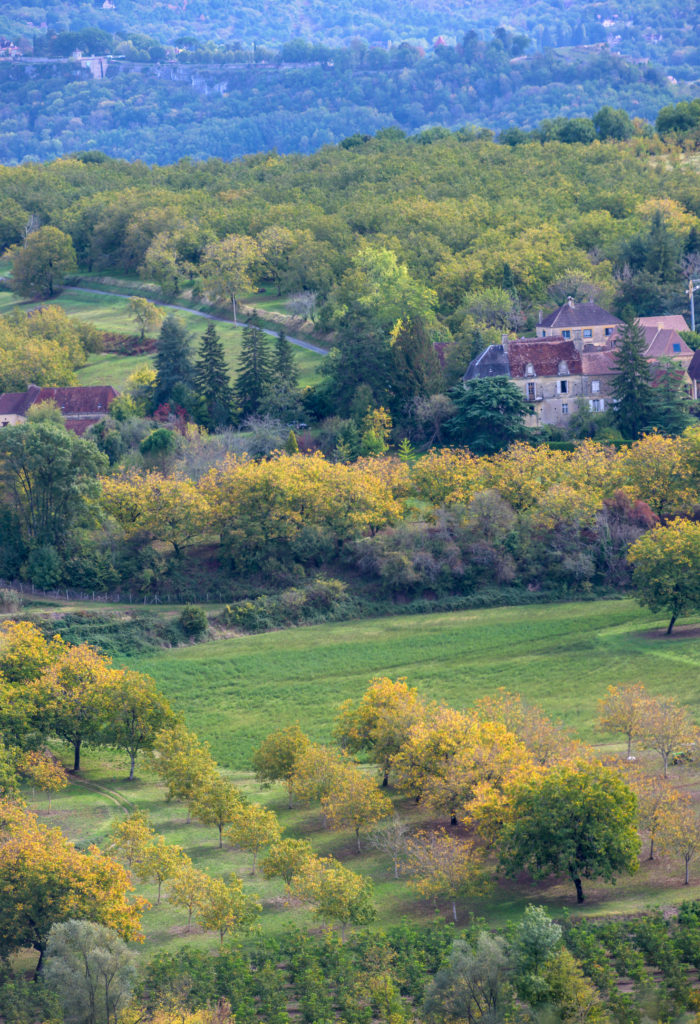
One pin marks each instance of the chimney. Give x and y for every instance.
(504, 342)
(570, 301)
(539, 317)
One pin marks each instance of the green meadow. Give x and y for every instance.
(561, 656)
(109, 312)
(233, 692)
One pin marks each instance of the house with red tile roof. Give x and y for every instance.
(81, 407)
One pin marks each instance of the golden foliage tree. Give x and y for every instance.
(252, 828)
(44, 879)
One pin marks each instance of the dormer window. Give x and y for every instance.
(529, 370)
(563, 367)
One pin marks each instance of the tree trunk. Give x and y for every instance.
(40, 949)
(132, 755)
(629, 745)
(453, 819)
(396, 869)
(255, 857)
(357, 836)
(665, 757)
(579, 890)
(687, 865)
(385, 780)
(233, 303)
(160, 882)
(651, 849)
(671, 625)
(454, 911)
(221, 837)
(76, 755)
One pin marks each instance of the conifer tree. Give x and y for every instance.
(285, 363)
(671, 399)
(631, 385)
(255, 368)
(174, 369)
(212, 383)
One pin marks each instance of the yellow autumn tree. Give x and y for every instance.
(444, 868)
(355, 802)
(432, 741)
(169, 510)
(42, 770)
(44, 879)
(380, 721)
(252, 828)
(622, 710)
(223, 907)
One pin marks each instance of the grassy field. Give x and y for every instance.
(234, 692)
(560, 656)
(110, 313)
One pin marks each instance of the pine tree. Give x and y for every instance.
(671, 399)
(285, 363)
(255, 368)
(631, 385)
(174, 369)
(211, 381)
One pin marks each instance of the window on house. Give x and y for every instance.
(531, 390)
(588, 333)
(563, 367)
(595, 386)
(529, 370)
(595, 405)
(676, 347)
(566, 334)
(563, 387)
(565, 408)
(608, 331)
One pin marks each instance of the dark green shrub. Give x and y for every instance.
(193, 621)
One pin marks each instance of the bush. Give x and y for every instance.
(10, 600)
(193, 621)
(44, 567)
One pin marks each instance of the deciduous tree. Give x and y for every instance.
(253, 828)
(285, 858)
(147, 315)
(40, 266)
(622, 710)
(577, 819)
(335, 892)
(355, 802)
(666, 727)
(137, 712)
(444, 868)
(223, 907)
(227, 267)
(666, 563)
(216, 802)
(276, 758)
(45, 880)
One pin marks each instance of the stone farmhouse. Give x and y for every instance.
(572, 359)
(81, 407)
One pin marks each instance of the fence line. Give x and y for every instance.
(116, 597)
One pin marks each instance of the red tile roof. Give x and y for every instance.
(674, 322)
(661, 341)
(598, 364)
(546, 356)
(78, 405)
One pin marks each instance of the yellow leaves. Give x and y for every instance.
(666, 564)
(381, 719)
(51, 881)
(657, 470)
(448, 476)
(354, 801)
(170, 510)
(621, 710)
(336, 893)
(222, 906)
(24, 653)
(277, 499)
(252, 828)
(42, 771)
(444, 868)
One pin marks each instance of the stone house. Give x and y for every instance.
(81, 407)
(583, 323)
